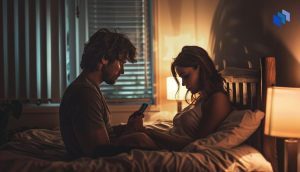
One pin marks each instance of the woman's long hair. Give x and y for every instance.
(210, 80)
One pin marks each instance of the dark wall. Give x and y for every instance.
(243, 30)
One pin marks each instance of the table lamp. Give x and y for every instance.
(282, 120)
(172, 89)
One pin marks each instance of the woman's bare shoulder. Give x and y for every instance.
(218, 101)
(219, 96)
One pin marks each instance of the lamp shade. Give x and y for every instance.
(172, 89)
(283, 112)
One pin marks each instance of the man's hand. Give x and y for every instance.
(135, 123)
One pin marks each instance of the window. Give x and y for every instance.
(131, 17)
(41, 44)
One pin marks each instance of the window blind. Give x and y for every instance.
(132, 18)
(33, 50)
(40, 48)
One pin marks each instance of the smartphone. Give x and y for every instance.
(141, 109)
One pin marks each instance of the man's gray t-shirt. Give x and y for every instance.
(83, 107)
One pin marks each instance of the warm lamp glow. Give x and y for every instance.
(282, 112)
(172, 89)
(173, 44)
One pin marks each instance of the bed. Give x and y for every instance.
(228, 149)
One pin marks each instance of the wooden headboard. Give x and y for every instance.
(247, 90)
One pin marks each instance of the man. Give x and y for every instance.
(84, 114)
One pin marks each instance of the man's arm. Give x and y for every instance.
(119, 129)
(89, 139)
(134, 124)
(88, 123)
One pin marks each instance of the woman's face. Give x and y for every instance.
(190, 77)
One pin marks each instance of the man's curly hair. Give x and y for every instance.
(109, 45)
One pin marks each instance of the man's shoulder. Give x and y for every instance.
(80, 88)
(81, 84)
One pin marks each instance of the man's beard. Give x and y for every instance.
(107, 77)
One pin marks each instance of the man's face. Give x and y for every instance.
(113, 70)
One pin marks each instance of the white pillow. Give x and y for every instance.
(251, 159)
(234, 130)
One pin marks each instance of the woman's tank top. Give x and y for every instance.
(186, 123)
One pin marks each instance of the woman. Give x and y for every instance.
(209, 103)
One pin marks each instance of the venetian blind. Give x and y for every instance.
(132, 18)
(33, 50)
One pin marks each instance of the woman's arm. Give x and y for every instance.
(214, 110)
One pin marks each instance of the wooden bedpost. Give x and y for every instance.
(268, 76)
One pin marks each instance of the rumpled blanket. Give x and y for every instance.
(43, 150)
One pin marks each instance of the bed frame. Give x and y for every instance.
(247, 89)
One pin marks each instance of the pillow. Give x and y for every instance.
(234, 130)
(251, 159)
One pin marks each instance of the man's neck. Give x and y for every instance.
(95, 77)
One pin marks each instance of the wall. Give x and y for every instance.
(286, 42)
(36, 117)
(178, 23)
(244, 31)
